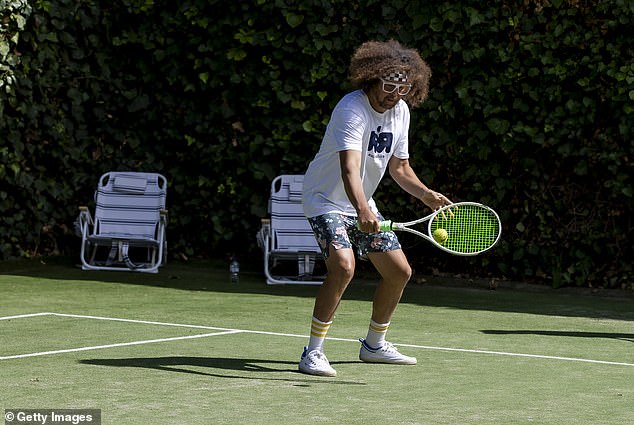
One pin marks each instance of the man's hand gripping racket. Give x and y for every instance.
(464, 228)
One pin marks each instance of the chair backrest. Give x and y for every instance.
(129, 204)
(289, 228)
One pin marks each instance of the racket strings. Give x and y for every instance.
(470, 229)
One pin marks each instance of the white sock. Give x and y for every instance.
(376, 334)
(318, 331)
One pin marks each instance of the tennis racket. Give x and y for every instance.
(469, 228)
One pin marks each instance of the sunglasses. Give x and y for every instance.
(401, 89)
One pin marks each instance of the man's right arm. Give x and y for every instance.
(351, 174)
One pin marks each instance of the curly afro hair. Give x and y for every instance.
(375, 59)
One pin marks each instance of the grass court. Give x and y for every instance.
(187, 347)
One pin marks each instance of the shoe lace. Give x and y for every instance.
(389, 347)
(318, 357)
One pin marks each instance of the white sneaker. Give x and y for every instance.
(315, 363)
(385, 354)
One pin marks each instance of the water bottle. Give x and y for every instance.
(234, 270)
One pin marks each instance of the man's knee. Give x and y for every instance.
(341, 264)
(393, 267)
(406, 273)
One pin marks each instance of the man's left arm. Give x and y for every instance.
(404, 175)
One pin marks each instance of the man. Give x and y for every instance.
(366, 136)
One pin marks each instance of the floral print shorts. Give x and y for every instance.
(341, 231)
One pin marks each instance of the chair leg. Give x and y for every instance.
(306, 265)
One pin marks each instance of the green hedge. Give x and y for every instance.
(530, 112)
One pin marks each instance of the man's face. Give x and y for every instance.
(384, 94)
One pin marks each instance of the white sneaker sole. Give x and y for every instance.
(317, 372)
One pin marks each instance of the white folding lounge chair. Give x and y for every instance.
(290, 248)
(128, 230)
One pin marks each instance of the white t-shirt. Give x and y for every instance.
(354, 125)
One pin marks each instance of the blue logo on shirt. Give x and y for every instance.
(380, 142)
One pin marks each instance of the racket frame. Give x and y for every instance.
(388, 225)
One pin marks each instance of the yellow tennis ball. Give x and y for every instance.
(440, 235)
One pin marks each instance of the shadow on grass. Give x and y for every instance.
(462, 294)
(249, 368)
(574, 334)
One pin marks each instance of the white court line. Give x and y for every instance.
(143, 322)
(225, 331)
(503, 353)
(123, 344)
(22, 316)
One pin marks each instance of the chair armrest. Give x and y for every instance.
(83, 221)
(84, 215)
(263, 234)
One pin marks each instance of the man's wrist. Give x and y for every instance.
(424, 193)
(363, 210)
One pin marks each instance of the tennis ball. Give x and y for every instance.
(440, 235)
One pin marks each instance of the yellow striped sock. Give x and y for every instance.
(376, 334)
(318, 331)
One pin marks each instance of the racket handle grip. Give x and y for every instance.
(385, 226)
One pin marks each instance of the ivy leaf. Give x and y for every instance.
(294, 20)
(498, 126)
(139, 103)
